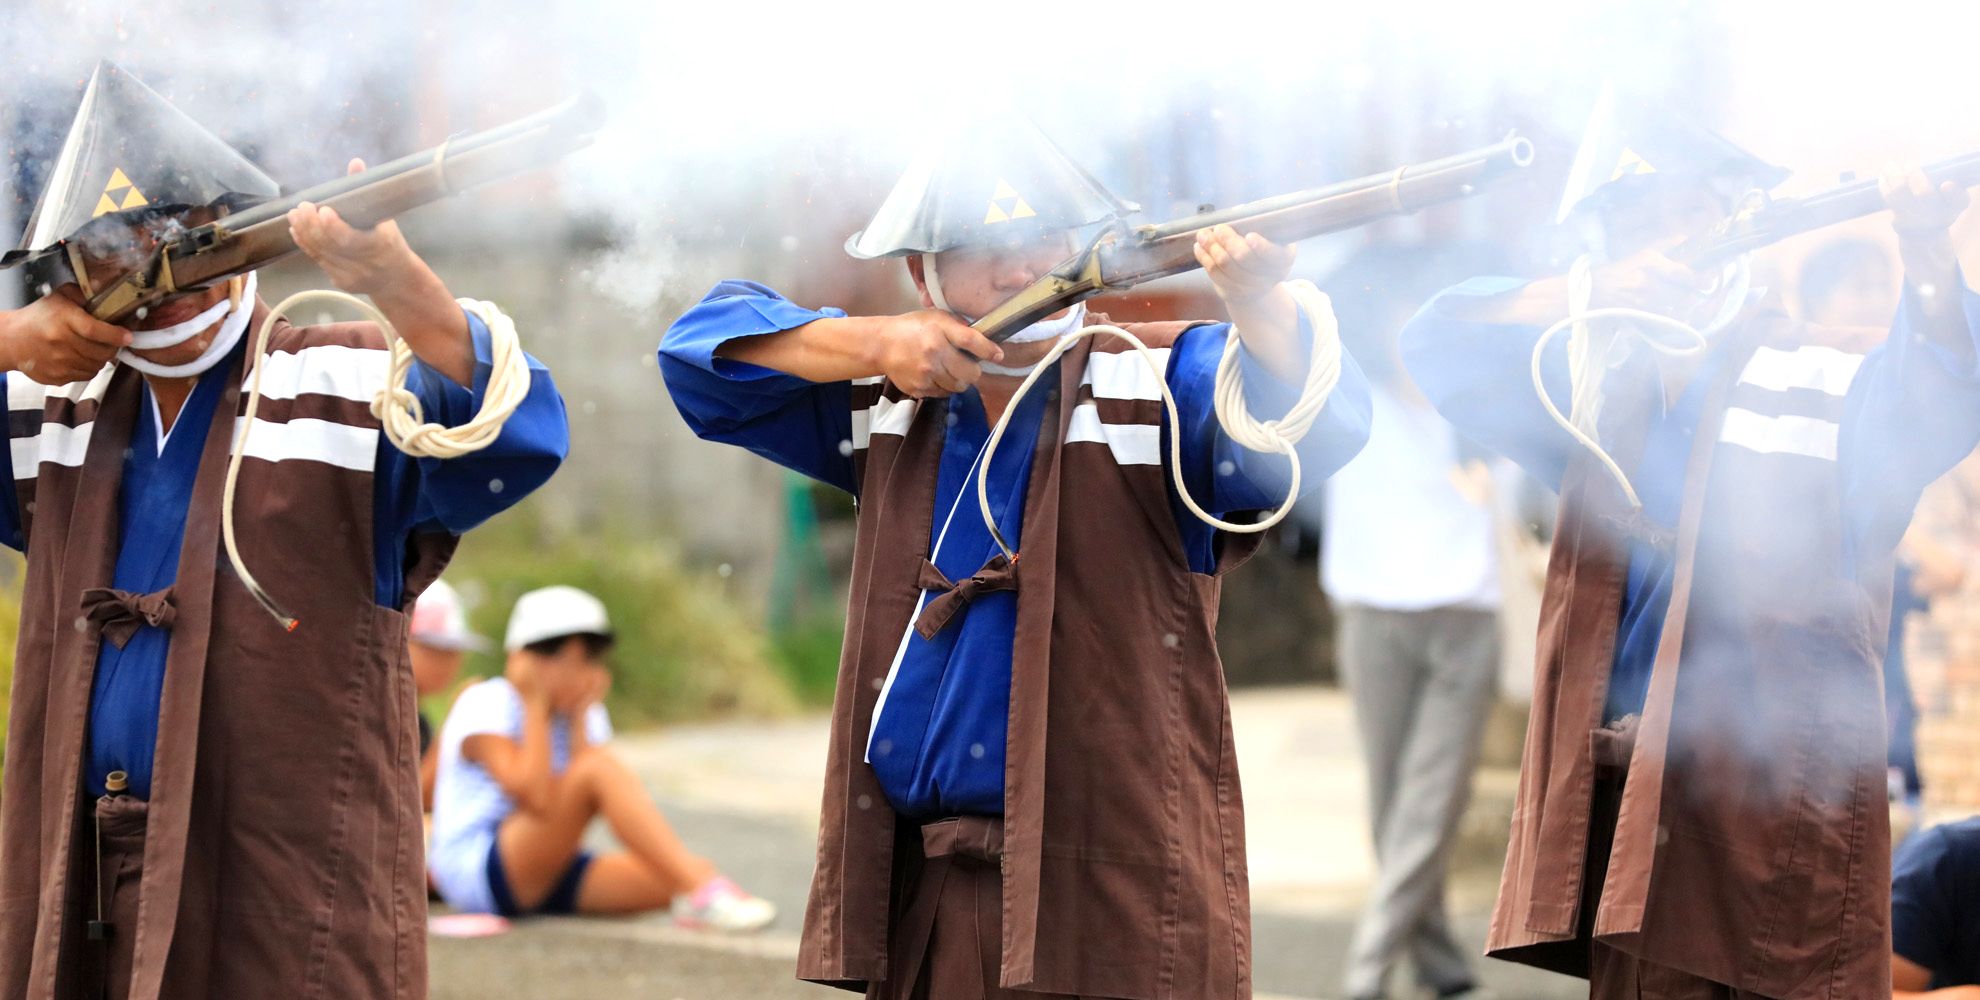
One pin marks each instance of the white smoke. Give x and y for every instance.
(721, 111)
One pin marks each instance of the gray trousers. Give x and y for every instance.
(1423, 684)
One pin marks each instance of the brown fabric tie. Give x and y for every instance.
(997, 574)
(117, 614)
(979, 840)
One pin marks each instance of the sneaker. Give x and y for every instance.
(721, 905)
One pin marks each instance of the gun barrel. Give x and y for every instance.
(1161, 250)
(1403, 191)
(561, 125)
(1781, 219)
(259, 234)
(1169, 248)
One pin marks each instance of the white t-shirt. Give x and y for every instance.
(468, 803)
(1398, 535)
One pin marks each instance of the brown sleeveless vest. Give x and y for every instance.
(1124, 871)
(283, 851)
(1753, 845)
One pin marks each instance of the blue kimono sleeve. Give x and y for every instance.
(1226, 477)
(1912, 412)
(801, 425)
(1480, 377)
(456, 494)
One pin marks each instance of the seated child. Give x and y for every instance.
(1935, 914)
(524, 768)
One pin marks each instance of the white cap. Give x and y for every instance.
(553, 612)
(438, 620)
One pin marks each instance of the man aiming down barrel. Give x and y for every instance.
(1031, 786)
(1702, 808)
(199, 802)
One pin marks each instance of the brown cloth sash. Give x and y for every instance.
(975, 840)
(115, 880)
(997, 574)
(117, 614)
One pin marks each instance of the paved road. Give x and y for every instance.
(746, 795)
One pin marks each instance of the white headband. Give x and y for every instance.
(231, 329)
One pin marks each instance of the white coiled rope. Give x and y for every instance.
(1279, 436)
(397, 408)
(1588, 351)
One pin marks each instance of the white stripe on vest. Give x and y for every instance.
(1824, 369)
(1132, 444)
(887, 416)
(56, 443)
(310, 440)
(24, 393)
(1125, 375)
(1810, 367)
(353, 373)
(1784, 435)
(52, 442)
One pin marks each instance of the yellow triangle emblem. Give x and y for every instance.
(1632, 163)
(1006, 204)
(133, 198)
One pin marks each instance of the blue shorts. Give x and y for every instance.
(563, 895)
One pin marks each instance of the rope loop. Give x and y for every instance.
(1588, 351)
(1279, 435)
(400, 417)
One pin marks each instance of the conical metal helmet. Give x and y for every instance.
(991, 178)
(131, 155)
(1632, 141)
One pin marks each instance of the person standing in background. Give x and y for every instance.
(1408, 558)
(1926, 570)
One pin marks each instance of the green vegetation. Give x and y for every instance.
(687, 649)
(808, 654)
(10, 626)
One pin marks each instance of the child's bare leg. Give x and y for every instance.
(537, 848)
(620, 884)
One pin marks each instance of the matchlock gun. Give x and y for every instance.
(1120, 257)
(1763, 221)
(255, 236)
